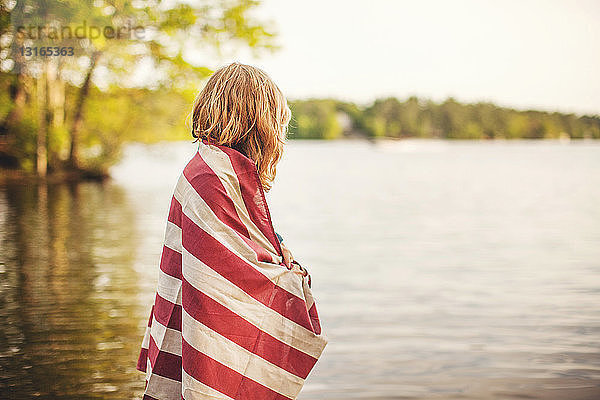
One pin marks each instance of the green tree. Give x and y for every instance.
(161, 34)
(314, 119)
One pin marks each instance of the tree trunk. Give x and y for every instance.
(42, 134)
(56, 96)
(78, 114)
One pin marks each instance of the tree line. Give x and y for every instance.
(423, 118)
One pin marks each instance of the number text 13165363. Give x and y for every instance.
(47, 51)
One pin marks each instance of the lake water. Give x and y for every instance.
(442, 270)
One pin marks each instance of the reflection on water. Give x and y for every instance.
(69, 321)
(443, 270)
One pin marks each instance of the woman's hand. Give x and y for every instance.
(287, 256)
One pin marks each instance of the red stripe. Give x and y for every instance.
(235, 328)
(261, 253)
(150, 318)
(314, 319)
(224, 379)
(170, 262)
(208, 186)
(175, 212)
(146, 397)
(167, 313)
(253, 194)
(165, 364)
(212, 253)
(142, 360)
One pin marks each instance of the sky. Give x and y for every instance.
(522, 54)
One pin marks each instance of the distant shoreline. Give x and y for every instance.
(21, 177)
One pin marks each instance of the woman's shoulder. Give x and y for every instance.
(215, 167)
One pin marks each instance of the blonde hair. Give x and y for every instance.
(242, 108)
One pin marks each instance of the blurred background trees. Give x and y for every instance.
(419, 118)
(72, 113)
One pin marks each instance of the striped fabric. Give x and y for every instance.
(229, 320)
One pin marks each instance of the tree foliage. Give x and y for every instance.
(418, 118)
(64, 112)
(314, 119)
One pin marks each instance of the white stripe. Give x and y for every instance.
(163, 388)
(234, 356)
(196, 390)
(200, 213)
(148, 368)
(173, 237)
(206, 280)
(220, 163)
(308, 296)
(146, 340)
(166, 339)
(169, 288)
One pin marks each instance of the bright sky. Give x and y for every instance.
(524, 54)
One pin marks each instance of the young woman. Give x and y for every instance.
(233, 316)
(241, 107)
